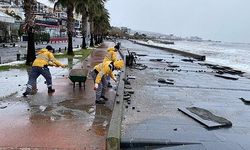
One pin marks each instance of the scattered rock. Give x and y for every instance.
(126, 94)
(126, 82)
(129, 91)
(130, 77)
(42, 108)
(127, 87)
(126, 97)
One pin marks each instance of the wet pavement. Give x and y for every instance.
(151, 119)
(66, 119)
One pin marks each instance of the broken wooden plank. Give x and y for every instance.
(156, 59)
(226, 77)
(161, 80)
(209, 122)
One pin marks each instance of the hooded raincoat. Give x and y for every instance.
(45, 58)
(104, 69)
(111, 55)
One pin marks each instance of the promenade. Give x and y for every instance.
(160, 84)
(66, 119)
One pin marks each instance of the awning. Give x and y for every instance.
(6, 18)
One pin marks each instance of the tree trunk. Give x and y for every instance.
(101, 39)
(31, 54)
(70, 45)
(84, 42)
(84, 31)
(70, 27)
(96, 39)
(91, 40)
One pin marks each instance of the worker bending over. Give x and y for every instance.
(99, 75)
(111, 55)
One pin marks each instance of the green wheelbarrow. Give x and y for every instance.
(78, 75)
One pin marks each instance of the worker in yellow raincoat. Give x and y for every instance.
(111, 55)
(99, 75)
(40, 67)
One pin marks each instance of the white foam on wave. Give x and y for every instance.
(226, 54)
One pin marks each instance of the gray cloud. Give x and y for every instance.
(226, 20)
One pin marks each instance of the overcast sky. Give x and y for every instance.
(225, 20)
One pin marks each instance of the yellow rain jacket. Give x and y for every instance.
(110, 56)
(104, 69)
(44, 58)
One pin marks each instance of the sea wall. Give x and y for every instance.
(183, 53)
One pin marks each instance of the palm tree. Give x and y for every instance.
(28, 28)
(82, 9)
(101, 25)
(95, 9)
(94, 12)
(69, 5)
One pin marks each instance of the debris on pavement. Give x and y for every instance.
(188, 60)
(161, 80)
(2, 107)
(130, 77)
(42, 108)
(205, 117)
(226, 77)
(155, 59)
(246, 101)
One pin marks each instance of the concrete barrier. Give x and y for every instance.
(195, 56)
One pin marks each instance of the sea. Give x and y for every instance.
(234, 55)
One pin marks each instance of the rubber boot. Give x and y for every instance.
(50, 90)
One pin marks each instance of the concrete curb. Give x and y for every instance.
(113, 139)
(114, 132)
(195, 56)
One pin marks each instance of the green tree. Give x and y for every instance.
(101, 24)
(96, 8)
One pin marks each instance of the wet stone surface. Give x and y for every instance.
(66, 119)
